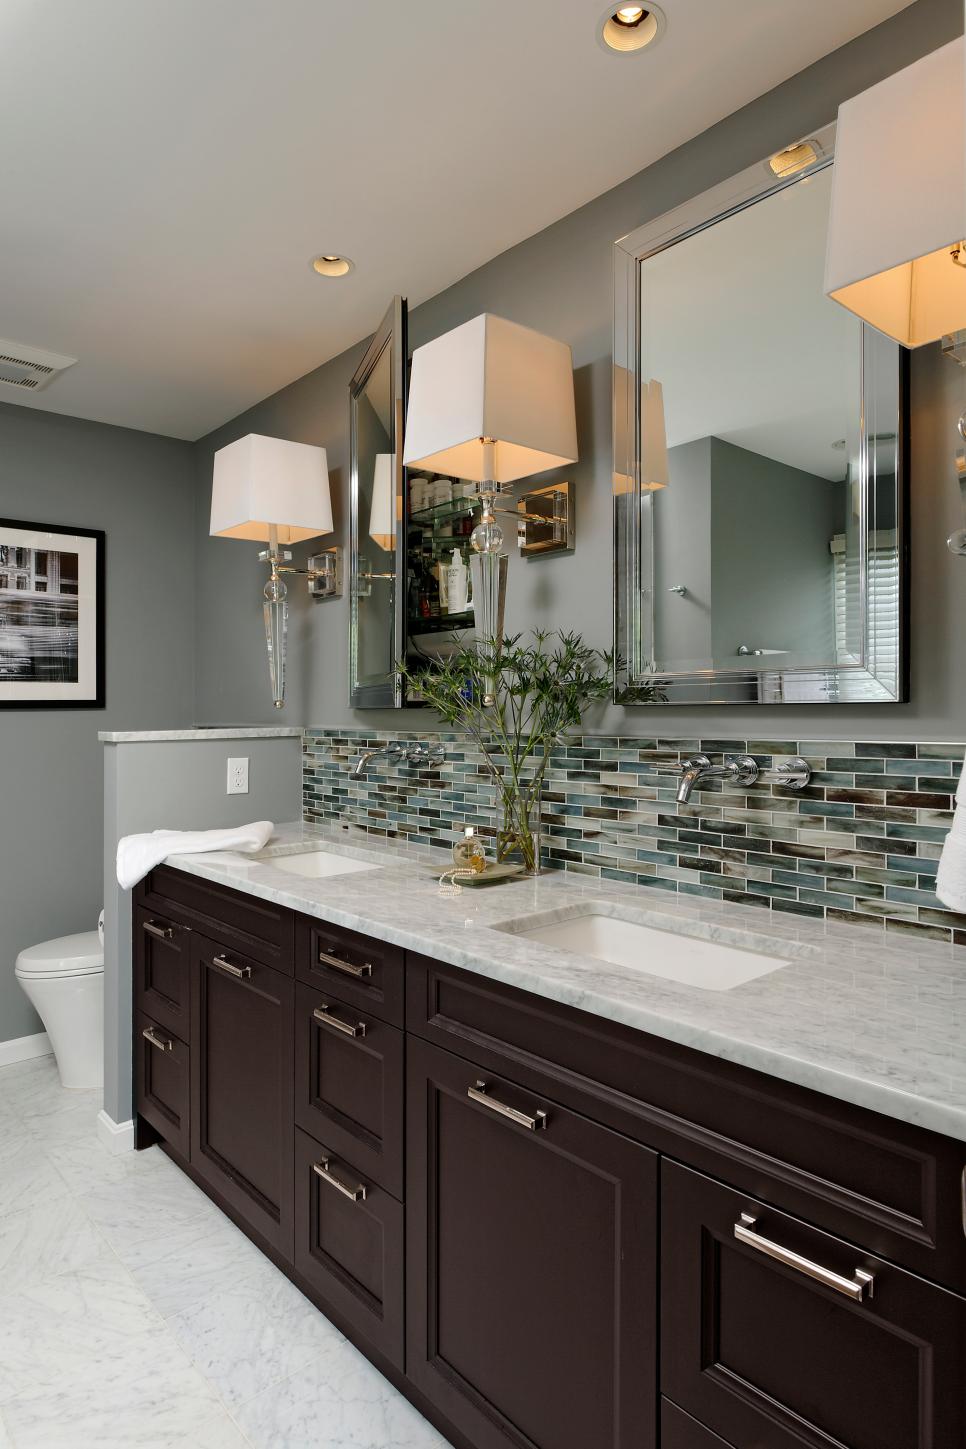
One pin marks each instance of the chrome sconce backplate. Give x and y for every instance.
(546, 521)
(325, 573)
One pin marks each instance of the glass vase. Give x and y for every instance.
(518, 827)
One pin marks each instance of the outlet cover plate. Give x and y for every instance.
(238, 775)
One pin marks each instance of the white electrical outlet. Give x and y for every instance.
(238, 776)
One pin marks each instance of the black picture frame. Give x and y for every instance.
(91, 633)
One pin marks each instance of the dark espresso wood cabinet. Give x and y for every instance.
(532, 1296)
(241, 1086)
(548, 1230)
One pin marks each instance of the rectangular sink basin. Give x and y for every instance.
(712, 965)
(317, 864)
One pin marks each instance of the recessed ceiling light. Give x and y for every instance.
(794, 158)
(329, 264)
(629, 28)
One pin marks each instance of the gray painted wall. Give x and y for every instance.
(682, 556)
(177, 784)
(771, 566)
(140, 489)
(560, 281)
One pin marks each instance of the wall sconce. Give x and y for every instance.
(274, 491)
(654, 467)
(896, 250)
(493, 402)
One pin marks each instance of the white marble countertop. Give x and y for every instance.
(201, 732)
(861, 1015)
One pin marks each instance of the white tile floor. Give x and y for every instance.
(132, 1312)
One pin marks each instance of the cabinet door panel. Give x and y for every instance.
(766, 1354)
(680, 1431)
(241, 1086)
(349, 1088)
(161, 1061)
(349, 1247)
(531, 1273)
(162, 951)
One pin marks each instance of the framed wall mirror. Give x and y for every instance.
(759, 473)
(377, 410)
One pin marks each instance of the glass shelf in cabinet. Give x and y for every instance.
(442, 512)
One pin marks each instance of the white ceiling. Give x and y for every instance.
(170, 166)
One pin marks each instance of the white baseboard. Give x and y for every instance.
(117, 1137)
(23, 1048)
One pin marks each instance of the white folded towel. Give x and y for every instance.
(951, 878)
(137, 854)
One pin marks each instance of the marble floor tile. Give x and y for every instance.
(163, 1408)
(91, 1325)
(181, 1268)
(41, 1242)
(28, 1178)
(246, 1336)
(338, 1401)
(85, 1164)
(147, 1205)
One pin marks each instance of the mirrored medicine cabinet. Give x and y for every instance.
(759, 440)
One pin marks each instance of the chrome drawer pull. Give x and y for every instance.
(242, 972)
(856, 1288)
(163, 1044)
(346, 967)
(161, 933)
(479, 1094)
(355, 1194)
(323, 1014)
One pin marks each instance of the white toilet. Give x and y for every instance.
(64, 982)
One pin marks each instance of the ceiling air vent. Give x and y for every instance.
(29, 368)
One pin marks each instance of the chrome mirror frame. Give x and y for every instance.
(391, 334)
(881, 411)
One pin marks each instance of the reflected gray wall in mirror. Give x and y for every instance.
(770, 567)
(377, 411)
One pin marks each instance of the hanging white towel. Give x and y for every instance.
(951, 878)
(137, 854)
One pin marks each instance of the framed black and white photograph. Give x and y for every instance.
(51, 616)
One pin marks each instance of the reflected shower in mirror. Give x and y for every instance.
(757, 498)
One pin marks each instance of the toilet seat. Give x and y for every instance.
(79, 955)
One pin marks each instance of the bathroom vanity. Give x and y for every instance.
(553, 1229)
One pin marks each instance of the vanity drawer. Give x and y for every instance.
(259, 929)
(777, 1335)
(349, 1244)
(365, 972)
(163, 1081)
(349, 1083)
(162, 949)
(895, 1188)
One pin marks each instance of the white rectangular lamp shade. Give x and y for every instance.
(899, 201)
(260, 483)
(654, 464)
(493, 379)
(382, 512)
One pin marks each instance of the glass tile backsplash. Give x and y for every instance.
(860, 843)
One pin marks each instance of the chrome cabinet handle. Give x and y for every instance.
(856, 1288)
(346, 967)
(241, 972)
(161, 933)
(323, 1014)
(355, 1194)
(480, 1094)
(163, 1044)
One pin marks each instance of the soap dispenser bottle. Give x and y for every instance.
(468, 853)
(457, 584)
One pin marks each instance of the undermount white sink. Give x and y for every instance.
(317, 864)
(691, 960)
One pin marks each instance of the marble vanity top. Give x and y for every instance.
(859, 1014)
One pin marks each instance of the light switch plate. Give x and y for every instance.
(238, 776)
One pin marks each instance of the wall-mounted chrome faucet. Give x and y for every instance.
(740, 770)
(413, 751)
